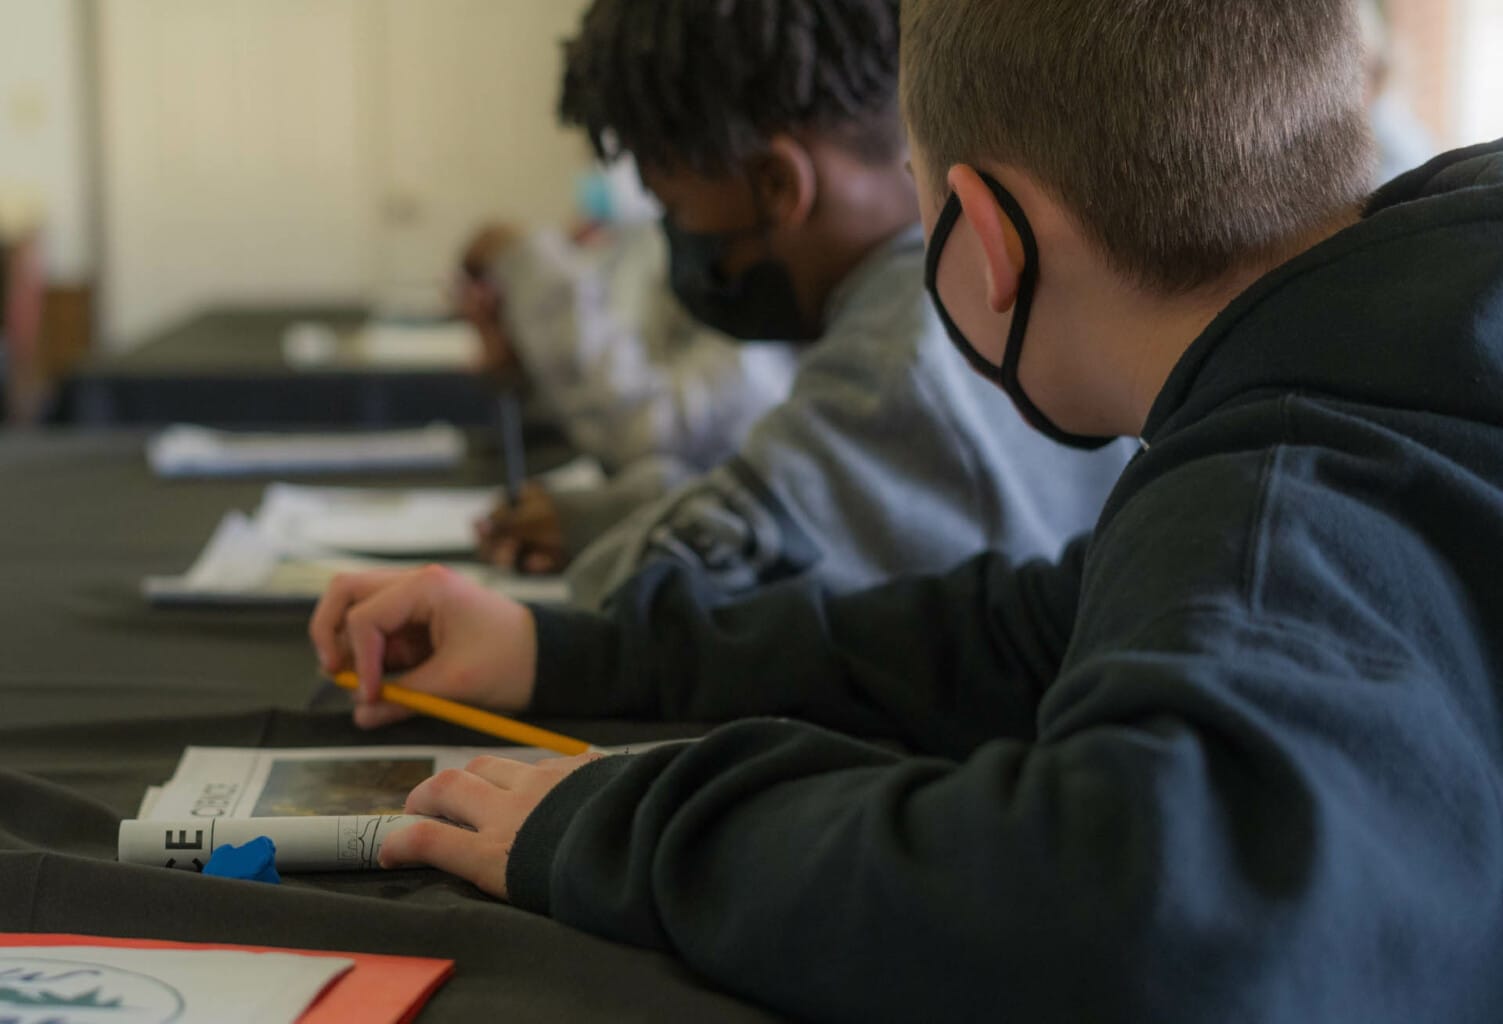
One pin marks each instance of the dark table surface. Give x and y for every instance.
(99, 694)
(225, 367)
(82, 521)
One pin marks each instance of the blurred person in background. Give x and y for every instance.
(586, 320)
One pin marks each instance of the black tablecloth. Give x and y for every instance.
(99, 694)
(226, 368)
(82, 521)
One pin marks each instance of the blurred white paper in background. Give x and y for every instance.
(242, 566)
(387, 345)
(189, 451)
(437, 346)
(394, 521)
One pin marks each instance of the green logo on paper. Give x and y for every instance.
(91, 1000)
(40, 990)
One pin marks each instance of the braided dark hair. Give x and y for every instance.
(703, 83)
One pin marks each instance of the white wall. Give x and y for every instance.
(43, 126)
(234, 165)
(1480, 84)
(465, 123)
(283, 151)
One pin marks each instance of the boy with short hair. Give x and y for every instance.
(771, 135)
(1239, 755)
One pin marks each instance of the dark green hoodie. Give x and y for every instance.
(1239, 757)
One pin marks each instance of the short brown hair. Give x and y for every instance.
(1188, 137)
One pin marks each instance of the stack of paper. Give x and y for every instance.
(363, 521)
(188, 451)
(302, 537)
(242, 566)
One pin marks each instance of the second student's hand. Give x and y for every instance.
(430, 630)
(526, 535)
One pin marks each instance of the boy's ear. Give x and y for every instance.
(785, 182)
(1000, 242)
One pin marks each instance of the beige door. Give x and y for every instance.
(285, 152)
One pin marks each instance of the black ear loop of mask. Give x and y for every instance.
(1006, 375)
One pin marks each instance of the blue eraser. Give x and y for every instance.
(255, 861)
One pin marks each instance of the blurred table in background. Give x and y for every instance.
(295, 367)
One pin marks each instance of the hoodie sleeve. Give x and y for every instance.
(857, 478)
(1238, 764)
(1184, 830)
(587, 515)
(899, 661)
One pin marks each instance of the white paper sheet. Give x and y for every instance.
(385, 345)
(241, 566)
(96, 984)
(393, 522)
(371, 521)
(442, 346)
(189, 451)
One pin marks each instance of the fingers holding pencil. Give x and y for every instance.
(446, 634)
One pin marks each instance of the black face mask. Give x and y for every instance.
(757, 305)
(1006, 375)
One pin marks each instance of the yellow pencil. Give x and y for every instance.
(471, 718)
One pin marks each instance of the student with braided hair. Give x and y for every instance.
(769, 130)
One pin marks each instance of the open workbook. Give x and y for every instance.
(325, 809)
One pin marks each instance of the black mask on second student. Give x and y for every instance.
(759, 304)
(1006, 375)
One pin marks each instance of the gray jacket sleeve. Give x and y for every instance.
(613, 355)
(855, 478)
(588, 514)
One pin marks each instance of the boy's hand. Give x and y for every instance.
(493, 796)
(447, 634)
(484, 247)
(479, 300)
(526, 535)
(480, 303)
